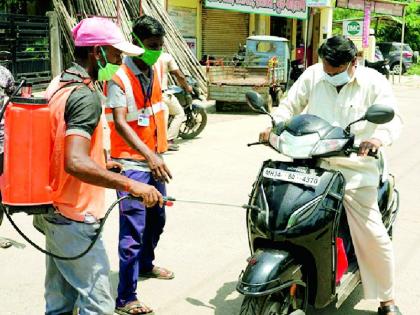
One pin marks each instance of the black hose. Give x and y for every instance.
(95, 238)
(3, 109)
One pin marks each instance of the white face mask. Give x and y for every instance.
(340, 78)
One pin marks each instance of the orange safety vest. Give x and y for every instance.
(72, 197)
(154, 134)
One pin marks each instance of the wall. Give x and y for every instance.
(259, 24)
(192, 4)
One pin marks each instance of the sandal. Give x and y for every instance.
(132, 309)
(158, 273)
(385, 310)
(5, 244)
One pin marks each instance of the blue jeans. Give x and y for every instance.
(140, 230)
(82, 283)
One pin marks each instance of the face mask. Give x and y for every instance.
(339, 79)
(106, 73)
(150, 56)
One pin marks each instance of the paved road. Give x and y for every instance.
(207, 246)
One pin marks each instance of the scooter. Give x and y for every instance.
(296, 220)
(196, 116)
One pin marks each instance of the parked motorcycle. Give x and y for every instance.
(296, 220)
(382, 66)
(196, 116)
(296, 70)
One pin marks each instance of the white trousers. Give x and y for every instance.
(373, 247)
(174, 109)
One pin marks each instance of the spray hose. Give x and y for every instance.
(95, 238)
(168, 201)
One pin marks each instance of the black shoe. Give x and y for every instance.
(385, 310)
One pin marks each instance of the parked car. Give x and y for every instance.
(392, 52)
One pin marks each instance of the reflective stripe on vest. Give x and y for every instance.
(154, 133)
(131, 102)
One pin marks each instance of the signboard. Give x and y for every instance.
(295, 9)
(353, 28)
(387, 8)
(185, 20)
(318, 3)
(192, 44)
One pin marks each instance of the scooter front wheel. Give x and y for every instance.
(286, 302)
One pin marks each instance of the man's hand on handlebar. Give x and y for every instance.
(369, 145)
(149, 194)
(265, 135)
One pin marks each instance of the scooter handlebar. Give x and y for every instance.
(356, 150)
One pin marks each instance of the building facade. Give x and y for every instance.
(217, 28)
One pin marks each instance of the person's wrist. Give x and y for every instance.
(127, 186)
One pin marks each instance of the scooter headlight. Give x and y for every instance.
(329, 145)
(298, 147)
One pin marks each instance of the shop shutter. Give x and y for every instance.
(223, 31)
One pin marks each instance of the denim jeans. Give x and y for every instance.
(82, 283)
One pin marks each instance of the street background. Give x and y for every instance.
(206, 246)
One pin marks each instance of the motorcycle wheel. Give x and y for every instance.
(194, 124)
(279, 303)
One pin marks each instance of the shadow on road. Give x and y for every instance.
(347, 308)
(221, 303)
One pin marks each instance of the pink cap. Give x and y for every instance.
(98, 31)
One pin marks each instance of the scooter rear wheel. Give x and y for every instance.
(279, 303)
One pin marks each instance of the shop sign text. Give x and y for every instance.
(286, 8)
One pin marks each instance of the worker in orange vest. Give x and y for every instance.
(79, 176)
(135, 113)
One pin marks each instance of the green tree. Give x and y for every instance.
(389, 31)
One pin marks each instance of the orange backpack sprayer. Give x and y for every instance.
(25, 182)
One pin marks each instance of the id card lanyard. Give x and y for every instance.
(148, 99)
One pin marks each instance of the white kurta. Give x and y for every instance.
(313, 94)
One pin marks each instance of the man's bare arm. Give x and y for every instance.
(181, 79)
(77, 162)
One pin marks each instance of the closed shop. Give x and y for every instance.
(223, 31)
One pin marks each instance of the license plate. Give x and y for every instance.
(293, 177)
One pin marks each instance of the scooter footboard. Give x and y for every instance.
(269, 271)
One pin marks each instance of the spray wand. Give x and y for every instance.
(168, 201)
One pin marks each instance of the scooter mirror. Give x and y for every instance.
(256, 102)
(379, 114)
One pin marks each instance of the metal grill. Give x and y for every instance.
(25, 47)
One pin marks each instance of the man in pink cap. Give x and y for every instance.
(79, 175)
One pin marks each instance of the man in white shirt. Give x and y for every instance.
(340, 91)
(165, 65)
(6, 88)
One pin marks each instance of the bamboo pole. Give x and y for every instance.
(125, 12)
